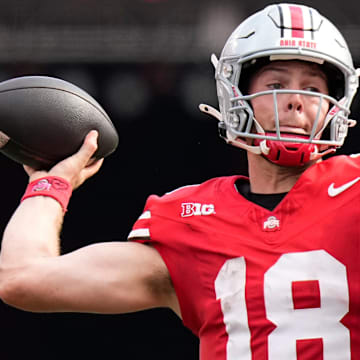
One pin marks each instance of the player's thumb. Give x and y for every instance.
(88, 148)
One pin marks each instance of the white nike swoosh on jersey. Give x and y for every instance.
(334, 191)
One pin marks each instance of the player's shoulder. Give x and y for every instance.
(338, 168)
(341, 163)
(208, 189)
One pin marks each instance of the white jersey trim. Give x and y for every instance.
(139, 233)
(145, 215)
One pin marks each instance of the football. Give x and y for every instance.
(45, 119)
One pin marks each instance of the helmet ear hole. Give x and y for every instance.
(238, 121)
(243, 119)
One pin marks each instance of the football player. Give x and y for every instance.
(258, 267)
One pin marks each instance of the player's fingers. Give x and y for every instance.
(94, 166)
(92, 169)
(75, 163)
(88, 148)
(87, 172)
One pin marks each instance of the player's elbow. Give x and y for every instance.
(14, 289)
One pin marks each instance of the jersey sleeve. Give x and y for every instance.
(185, 228)
(159, 209)
(159, 227)
(141, 229)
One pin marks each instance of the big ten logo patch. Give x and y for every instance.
(196, 209)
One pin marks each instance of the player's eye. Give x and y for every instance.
(312, 88)
(275, 86)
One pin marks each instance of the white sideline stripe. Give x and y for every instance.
(145, 215)
(138, 233)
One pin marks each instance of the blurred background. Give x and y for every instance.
(147, 63)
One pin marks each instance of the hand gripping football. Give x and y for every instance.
(44, 120)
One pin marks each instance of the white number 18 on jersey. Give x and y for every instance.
(292, 324)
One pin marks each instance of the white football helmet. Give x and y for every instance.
(284, 32)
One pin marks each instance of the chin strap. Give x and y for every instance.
(290, 153)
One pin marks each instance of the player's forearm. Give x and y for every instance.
(32, 232)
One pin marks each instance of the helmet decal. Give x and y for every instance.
(295, 21)
(296, 25)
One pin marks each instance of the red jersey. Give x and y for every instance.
(255, 284)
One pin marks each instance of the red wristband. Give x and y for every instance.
(53, 186)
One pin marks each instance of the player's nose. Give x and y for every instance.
(294, 102)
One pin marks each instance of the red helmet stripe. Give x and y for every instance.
(297, 21)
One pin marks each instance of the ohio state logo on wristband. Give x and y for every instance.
(52, 186)
(46, 184)
(42, 185)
